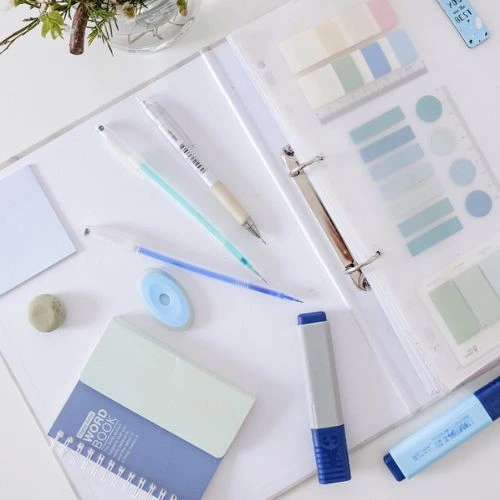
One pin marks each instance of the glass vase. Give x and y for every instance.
(159, 24)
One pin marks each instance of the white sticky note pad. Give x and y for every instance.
(303, 50)
(321, 86)
(32, 237)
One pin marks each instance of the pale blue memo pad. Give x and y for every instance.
(429, 108)
(32, 237)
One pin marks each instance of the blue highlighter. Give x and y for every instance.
(167, 300)
(445, 433)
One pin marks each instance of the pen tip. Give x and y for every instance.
(263, 240)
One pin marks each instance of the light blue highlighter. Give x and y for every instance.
(167, 300)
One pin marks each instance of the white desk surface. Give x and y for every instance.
(43, 90)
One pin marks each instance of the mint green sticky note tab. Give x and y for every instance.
(491, 269)
(478, 293)
(148, 378)
(435, 236)
(455, 312)
(378, 125)
(426, 217)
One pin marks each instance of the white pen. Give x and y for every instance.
(181, 143)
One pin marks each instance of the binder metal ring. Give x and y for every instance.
(296, 172)
(367, 262)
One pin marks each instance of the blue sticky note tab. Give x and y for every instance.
(466, 20)
(376, 60)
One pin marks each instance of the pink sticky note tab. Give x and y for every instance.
(384, 14)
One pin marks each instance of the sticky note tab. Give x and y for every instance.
(331, 36)
(383, 13)
(303, 50)
(359, 22)
(378, 125)
(321, 87)
(480, 296)
(348, 73)
(455, 312)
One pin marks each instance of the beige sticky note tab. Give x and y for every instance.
(321, 86)
(359, 23)
(153, 381)
(332, 37)
(303, 50)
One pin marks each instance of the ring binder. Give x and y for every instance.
(61, 447)
(351, 267)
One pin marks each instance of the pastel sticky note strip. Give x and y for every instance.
(435, 236)
(397, 161)
(402, 46)
(383, 13)
(426, 217)
(463, 172)
(389, 54)
(420, 196)
(332, 37)
(480, 296)
(348, 73)
(387, 144)
(406, 180)
(303, 50)
(378, 125)
(321, 87)
(376, 60)
(491, 269)
(455, 312)
(359, 23)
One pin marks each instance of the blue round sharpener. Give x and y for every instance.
(167, 300)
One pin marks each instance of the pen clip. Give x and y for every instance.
(351, 267)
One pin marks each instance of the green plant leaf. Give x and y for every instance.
(45, 26)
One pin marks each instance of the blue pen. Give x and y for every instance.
(445, 433)
(124, 241)
(325, 411)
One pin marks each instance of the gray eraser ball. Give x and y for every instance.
(46, 313)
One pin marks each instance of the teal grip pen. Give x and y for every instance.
(445, 433)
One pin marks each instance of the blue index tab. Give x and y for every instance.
(466, 20)
(387, 144)
(438, 438)
(332, 458)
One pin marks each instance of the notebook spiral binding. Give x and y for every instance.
(86, 453)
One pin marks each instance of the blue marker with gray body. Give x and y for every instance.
(327, 423)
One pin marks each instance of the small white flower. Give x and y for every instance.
(126, 12)
(44, 5)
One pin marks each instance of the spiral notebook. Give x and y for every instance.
(147, 415)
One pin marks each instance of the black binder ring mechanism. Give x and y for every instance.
(351, 266)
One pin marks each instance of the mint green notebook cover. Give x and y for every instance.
(145, 376)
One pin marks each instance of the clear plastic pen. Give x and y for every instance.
(140, 166)
(122, 240)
